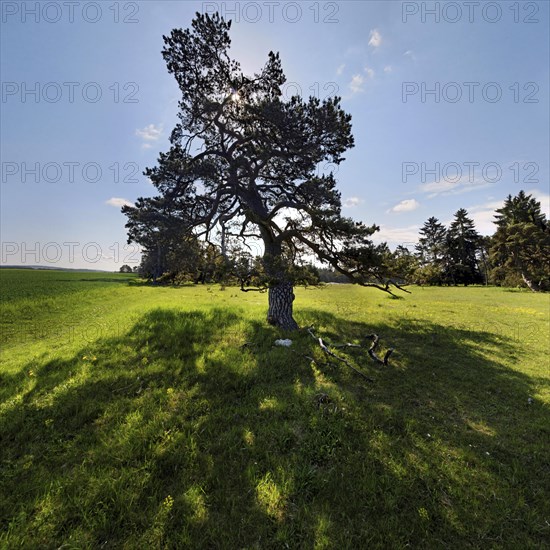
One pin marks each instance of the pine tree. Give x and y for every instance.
(463, 242)
(521, 209)
(431, 250)
(521, 244)
(243, 155)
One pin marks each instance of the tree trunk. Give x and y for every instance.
(280, 293)
(279, 313)
(530, 284)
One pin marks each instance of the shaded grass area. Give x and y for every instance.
(174, 434)
(38, 306)
(20, 284)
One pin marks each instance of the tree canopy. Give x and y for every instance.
(463, 243)
(521, 243)
(244, 164)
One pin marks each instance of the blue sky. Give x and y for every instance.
(449, 109)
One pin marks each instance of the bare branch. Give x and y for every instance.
(372, 351)
(328, 352)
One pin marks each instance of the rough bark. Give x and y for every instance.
(279, 314)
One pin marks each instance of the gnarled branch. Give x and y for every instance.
(372, 351)
(328, 352)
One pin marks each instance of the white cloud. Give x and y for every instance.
(118, 202)
(370, 72)
(452, 186)
(340, 69)
(375, 38)
(407, 205)
(438, 187)
(483, 216)
(388, 69)
(410, 54)
(150, 132)
(356, 84)
(405, 236)
(352, 202)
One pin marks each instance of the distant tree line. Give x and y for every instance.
(517, 254)
(184, 259)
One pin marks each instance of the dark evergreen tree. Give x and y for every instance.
(463, 243)
(520, 209)
(431, 250)
(521, 244)
(243, 157)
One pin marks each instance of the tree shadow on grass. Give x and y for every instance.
(192, 429)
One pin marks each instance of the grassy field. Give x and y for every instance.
(142, 417)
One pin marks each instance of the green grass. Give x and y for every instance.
(135, 417)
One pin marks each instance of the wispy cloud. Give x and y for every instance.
(148, 134)
(438, 187)
(352, 202)
(356, 84)
(118, 202)
(340, 69)
(370, 72)
(407, 205)
(375, 38)
(405, 236)
(410, 55)
(388, 69)
(458, 186)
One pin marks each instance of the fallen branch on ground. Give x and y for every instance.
(372, 351)
(346, 345)
(328, 352)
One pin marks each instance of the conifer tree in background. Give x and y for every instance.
(431, 250)
(520, 249)
(463, 243)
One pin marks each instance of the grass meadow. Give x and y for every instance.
(134, 416)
